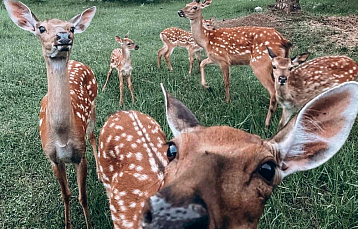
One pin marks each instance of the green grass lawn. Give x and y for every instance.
(326, 197)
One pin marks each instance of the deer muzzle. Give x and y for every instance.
(282, 80)
(181, 13)
(160, 214)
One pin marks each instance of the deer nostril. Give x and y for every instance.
(148, 217)
(58, 37)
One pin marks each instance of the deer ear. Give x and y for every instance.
(205, 3)
(318, 131)
(180, 118)
(83, 20)
(127, 35)
(212, 18)
(299, 59)
(119, 40)
(21, 15)
(271, 53)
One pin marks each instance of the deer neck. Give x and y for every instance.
(197, 31)
(126, 53)
(59, 108)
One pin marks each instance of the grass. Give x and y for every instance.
(326, 197)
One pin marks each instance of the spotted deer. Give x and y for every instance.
(237, 46)
(296, 86)
(175, 37)
(131, 161)
(68, 110)
(220, 177)
(120, 60)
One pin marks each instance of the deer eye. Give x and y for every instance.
(267, 171)
(195, 7)
(128, 43)
(72, 29)
(172, 151)
(274, 66)
(42, 29)
(291, 68)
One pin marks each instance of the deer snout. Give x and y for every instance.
(181, 13)
(158, 214)
(136, 47)
(282, 80)
(63, 38)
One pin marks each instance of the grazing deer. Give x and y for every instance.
(175, 37)
(68, 110)
(237, 46)
(120, 60)
(296, 86)
(220, 177)
(131, 161)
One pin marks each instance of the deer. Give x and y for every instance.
(221, 177)
(67, 112)
(296, 86)
(120, 60)
(175, 37)
(131, 160)
(237, 46)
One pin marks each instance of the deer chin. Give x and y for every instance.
(59, 51)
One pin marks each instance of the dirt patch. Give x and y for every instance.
(339, 30)
(343, 29)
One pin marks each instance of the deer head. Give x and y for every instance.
(221, 177)
(56, 36)
(193, 10)
(127, 43)
(282, 66)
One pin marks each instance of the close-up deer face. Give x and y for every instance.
(221, 177)
(56, 36)
(282, 66)
(193, 10)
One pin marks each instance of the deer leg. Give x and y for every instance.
(108, 75)
(130, 86)
(60, 173)
(81, 171)
(225, 69)
(191, 59)
(167, 57)
(120, 76)
(263, 73)
(198, 56)
(202, 65)
(161, 53)
(92, 137)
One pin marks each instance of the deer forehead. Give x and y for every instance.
(225, 141)
(55, 24)
(281, 62)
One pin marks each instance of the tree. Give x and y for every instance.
(288, 5)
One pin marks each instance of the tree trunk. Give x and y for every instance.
(288, 5)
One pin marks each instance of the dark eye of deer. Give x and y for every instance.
(128, 43)
(267, 171)
(172, 151)
(72, 29)
(195, 7)
(274, 66)
(291, 68)
(42, 29)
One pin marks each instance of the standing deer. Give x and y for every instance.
(120, 60)
(237, 46)
(175, 37)
(296, 86)
(68, 110)
(221, 177)
(131, 161)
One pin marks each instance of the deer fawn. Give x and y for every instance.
(296, 86)
(175, 37)
(68, 110)
(221, 177)
(131, 161)
(120, 60)
(237, 46)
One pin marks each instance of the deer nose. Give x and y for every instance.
(158, 214)
(63, 38)
(282, 80)
(136, 47)
(181, 13)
